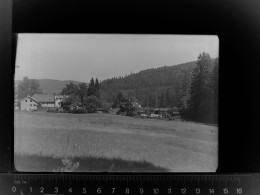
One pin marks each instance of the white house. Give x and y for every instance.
(29, 103)
(43, 100)
(58, 99)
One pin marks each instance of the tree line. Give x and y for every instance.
(85, 98)
(155, 87)
(192, 87)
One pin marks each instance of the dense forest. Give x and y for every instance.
(170, 86)
(157, 87)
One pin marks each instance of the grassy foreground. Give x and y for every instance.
(34, 163)
(174, 146)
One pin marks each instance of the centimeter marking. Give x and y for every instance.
(129, 178)
(102, 184)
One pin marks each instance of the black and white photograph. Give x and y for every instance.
(116, 103)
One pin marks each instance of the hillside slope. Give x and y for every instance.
(156, 87)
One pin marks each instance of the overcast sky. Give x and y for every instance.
(82, 56)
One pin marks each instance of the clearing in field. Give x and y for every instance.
(104, 142)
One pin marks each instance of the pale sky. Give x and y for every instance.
(80, 57)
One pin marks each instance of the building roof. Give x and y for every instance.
(163, 109)
(30, 98)
(168, 109)
(61, 96)
(44, 97)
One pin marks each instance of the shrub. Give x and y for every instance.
(52, 110)
(78, 110)
(92, 103)
(131, 113)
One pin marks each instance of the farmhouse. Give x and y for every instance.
(29, 103)
(46, 100)
(167, 112)
(43, 100)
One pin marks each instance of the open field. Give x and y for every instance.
(160, 145)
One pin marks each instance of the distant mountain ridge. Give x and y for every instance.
(53, 86)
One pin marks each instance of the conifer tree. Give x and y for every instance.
(97, 88)
(91, 88)
(215, 94)
(97, 85)
(199, 87)
(82, 91)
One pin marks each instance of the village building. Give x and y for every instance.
(45, 100)
(58, 99)
(167, 112)
(29, 103)
(40, 102)
(136, 105)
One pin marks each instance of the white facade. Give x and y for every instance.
(43, 100)
(48, 104)
(58, 99)
(29, 104)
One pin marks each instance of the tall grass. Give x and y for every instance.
(171, 144)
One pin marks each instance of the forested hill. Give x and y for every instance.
(156, 87)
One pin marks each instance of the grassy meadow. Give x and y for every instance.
(105, 142)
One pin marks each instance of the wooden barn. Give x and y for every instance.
(167, 112)
(45, 100)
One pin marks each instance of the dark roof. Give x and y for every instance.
(61, 96)
(168, 109)
(30, 98)
(44, 97)
(163, 109)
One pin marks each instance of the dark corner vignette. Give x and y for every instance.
(6, 78)
(238, 142)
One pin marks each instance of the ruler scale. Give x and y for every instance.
(48, 184)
